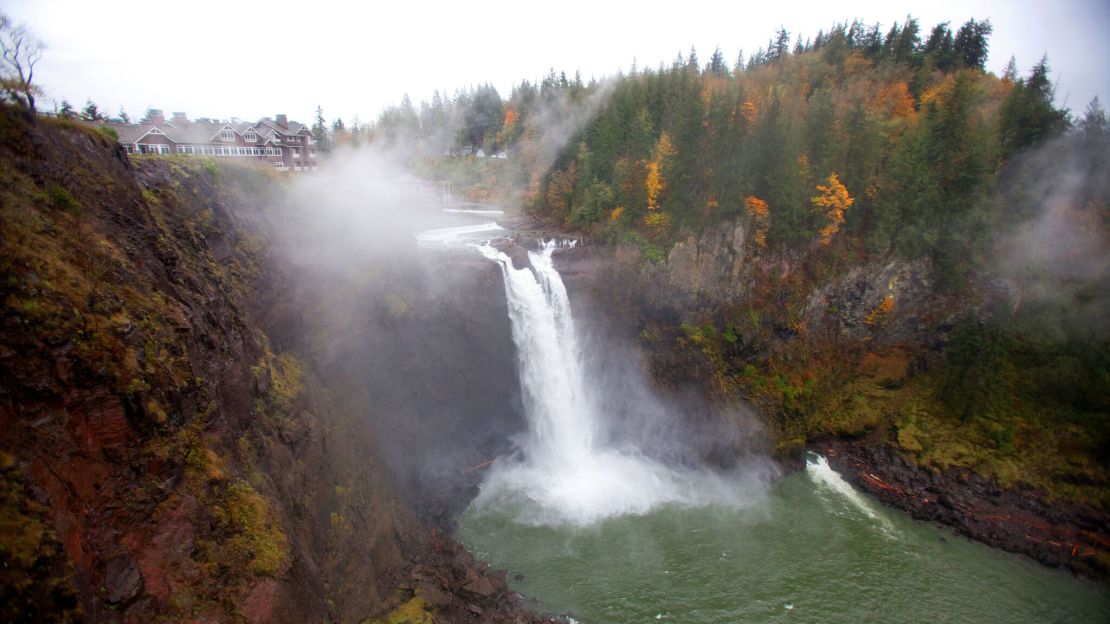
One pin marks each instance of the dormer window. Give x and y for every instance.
(227, 134)
(251, 136)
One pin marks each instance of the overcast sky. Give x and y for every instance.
(248, 59)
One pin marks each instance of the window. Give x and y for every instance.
(180, 149)
(251, 136)
(227, 134)
(296, 151)
(279, 164)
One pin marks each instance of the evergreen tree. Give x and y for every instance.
(1028, 116)
(124, 117)
(1010, 71)
(320, 130)
(939, 48)
(971, 47)
(66, 110)
(779, 47)
(717, 65)
(91, 112)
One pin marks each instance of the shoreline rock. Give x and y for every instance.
(1057, 534)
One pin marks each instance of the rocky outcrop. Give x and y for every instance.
(893, 302)
(172, 448)
(1056, 533)
(702, 270)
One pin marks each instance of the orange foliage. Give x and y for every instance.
(834, 200)
(748, 112)
(894, 100)
(510, 117)
(856, 63)
(881, 311)
(761, 219)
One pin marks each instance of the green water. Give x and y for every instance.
(811, 550)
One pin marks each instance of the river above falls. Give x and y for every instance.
(813, 550)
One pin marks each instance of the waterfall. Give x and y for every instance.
(563, 474)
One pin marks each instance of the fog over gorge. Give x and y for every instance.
(708, 314)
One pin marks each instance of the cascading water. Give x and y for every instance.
(684, 545)
(565, 475)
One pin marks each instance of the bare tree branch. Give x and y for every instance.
(20, 51)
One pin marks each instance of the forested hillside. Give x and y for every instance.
(921, 243)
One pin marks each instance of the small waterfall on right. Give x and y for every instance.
(564, 475)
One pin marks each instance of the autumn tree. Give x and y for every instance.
(761, 219)
(834, 201)
(20, 51)
(663, 151)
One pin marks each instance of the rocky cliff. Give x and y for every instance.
(172, 449)
(909, 380)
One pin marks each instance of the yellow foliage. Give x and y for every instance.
(415, 611)
(616, 214)
(658, 220)
(260, 534)
(834, 200)
(761, 219)
(655, 184)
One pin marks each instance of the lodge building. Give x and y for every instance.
(288, 146)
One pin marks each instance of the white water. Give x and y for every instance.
(830, 481)
(458, 235)
(565, 476)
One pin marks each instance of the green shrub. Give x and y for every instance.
(61, 198)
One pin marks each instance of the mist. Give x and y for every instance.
(1055, 252)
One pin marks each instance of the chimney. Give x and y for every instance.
(282, 120)
(180, 118)
(155, 116)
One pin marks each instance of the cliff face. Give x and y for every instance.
(915, 376)
(169, 448)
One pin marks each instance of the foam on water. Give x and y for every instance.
(827, 479)
(564, 475)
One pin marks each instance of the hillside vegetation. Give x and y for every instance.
(917, 247)
(847, 155)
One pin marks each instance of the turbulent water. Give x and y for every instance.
(814, 550)
(564, 475)
(611, 535)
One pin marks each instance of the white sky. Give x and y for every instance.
(248, 59)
